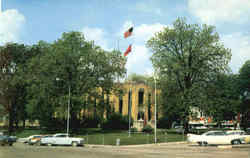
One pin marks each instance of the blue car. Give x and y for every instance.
(7, 140)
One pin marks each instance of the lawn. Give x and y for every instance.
(134, 138)
(97, 136)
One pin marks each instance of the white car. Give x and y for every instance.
(216, 137)
(61, 139)
(27, 139)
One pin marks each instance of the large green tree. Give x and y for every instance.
(187, 57)
(244, 88)
(13, 58)
(71, 72)
(222, 97)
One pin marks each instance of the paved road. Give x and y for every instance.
(20, 150)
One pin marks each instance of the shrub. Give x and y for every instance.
(90, 122)
(133, 130)
(164, 122)
(117, 122)
(147, 129)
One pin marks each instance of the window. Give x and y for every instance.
(120, 104)
(210, 134)
(129, 102)
(141, 95)
(149, 106)
(219, 133)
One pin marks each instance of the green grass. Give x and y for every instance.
(97, 136)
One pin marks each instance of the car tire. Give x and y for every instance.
(74, 144)
(202, 143)
(10, 144)
(49, 144)
(39, 143)
(236, 142)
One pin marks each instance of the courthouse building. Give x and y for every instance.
(142, 99)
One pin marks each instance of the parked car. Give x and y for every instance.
(61, 139)
(216, 137)
(7, 140)
(27, 139)
(44, 136)
(242, 133)
(34, 140)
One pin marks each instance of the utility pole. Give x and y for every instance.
(68, 110)
(129, 112)
(155, 110)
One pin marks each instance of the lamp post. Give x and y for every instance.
(155, 110)
(68, 110)
(129, 112)
(69, 95)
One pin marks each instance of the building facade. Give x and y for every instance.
(139, 99)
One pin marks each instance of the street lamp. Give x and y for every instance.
(155, 109)
(58, 79)
(129, 113)
(68, 111)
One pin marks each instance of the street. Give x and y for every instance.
(169, 150)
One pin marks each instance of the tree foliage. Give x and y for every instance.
(41, 80)
(244, 89)
(188, 56)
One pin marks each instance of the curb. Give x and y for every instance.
(128, 146)
(233, 146)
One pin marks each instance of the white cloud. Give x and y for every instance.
(11, 22)
(144, 32)
(97, 35)
(139, 59)
(212, 11)
(240, 46)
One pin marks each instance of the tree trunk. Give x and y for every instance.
(11, 120)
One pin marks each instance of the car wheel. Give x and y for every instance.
(10, 144)
(39, 143)
(49, 144)
(202, 143)
(74, 144)
(235, 142)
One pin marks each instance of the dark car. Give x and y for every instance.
(7, 140)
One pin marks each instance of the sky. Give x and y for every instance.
(105, 21)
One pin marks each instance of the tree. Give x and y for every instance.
(13, 58)
(70, 71)
(187, 57)
(244, 89)
(222, 97)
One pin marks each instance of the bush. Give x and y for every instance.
(133, 130)
(90, 122)
(116, 122)
(164, 122)
(147, 129)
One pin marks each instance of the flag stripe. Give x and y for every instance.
(129, 49)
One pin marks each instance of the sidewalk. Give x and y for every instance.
(132, 146)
